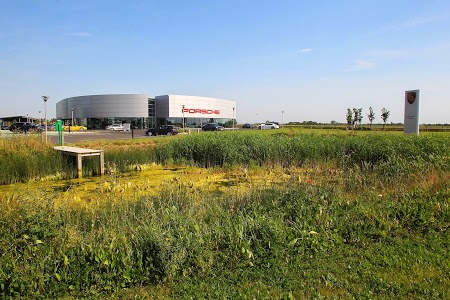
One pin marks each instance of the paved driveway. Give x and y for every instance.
(75, 137)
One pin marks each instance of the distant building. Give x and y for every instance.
(98, 111)
(11, 120)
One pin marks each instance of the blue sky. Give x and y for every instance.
(310, 59)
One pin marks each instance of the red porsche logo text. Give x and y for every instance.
(201, 111)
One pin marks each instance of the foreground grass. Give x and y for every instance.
(351, 218)
(259, 237)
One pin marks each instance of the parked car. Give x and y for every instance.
(268, 126)
(162, 130)
(75, 128)
(247, 125)
(50, 127)
(5, 127)
(24, 127)
(115, 127)
(94, 126)
(212, 127)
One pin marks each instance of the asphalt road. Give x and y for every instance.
(91, 135)
(75, 137)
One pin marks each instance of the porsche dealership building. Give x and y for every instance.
(98, 111)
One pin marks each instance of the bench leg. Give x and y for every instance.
(79, 166)
(102, 164)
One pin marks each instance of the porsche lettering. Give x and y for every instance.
(201, 111)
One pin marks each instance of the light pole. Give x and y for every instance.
(28, 120)
(40, 120)
(72, 118)
(183, 115)
(282, 116)
(234, 108)
(45, 98)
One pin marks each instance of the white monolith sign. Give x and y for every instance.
(412, 111)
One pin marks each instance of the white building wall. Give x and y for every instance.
(197, 107)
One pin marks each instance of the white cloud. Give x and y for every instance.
(385, 53)
(304, 50)
(370, 58)
(80, 34)
(364, 64)
(417, 21)
(361, 65)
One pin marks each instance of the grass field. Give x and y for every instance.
(289, 214)
(375, 127)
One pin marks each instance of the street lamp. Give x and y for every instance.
(45, 98)
(72, 118)
(40, 120)
(234, 108)
(183, 114)
(282, 115)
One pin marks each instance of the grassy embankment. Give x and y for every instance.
(274, 216)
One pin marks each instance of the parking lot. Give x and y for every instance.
(90, 135)
(75, 137)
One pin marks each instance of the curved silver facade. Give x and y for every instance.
(103, 106)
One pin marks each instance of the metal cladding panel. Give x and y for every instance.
(61, 109)
(84, 108)
(200, 107)
(162, 106)
(104, 106)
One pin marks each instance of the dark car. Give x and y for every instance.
(212, 127)
(162, 130)
(5, 127)
(94, 126)
(50, 127)
(24, 127)
(246, 125)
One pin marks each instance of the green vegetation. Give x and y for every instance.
(339, 127)
(25, 158)
(293, 216)
(262, 149)
(384, 115)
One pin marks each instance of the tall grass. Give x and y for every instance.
(257, 149)
(24, 159)
(293, 241)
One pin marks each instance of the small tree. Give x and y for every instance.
(371, 116)
(359, 116)
(349, 117)
(384, 116)
(355, 117)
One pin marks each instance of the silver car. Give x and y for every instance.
(115, 127)
(268, 126)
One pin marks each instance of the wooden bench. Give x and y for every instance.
(79, 153)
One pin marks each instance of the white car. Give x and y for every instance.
(115, 127)
(268, 126)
